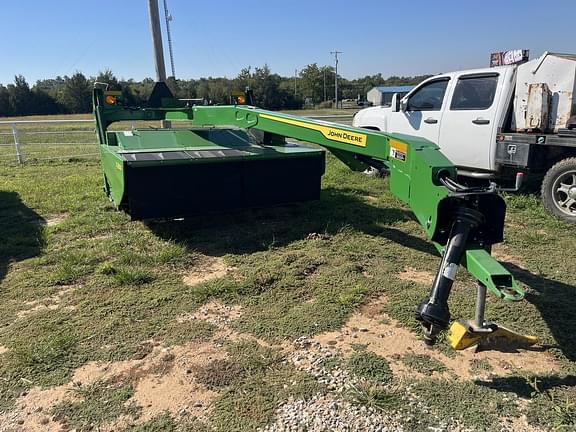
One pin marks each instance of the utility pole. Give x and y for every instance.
(158, 53)
(324, 83)
(157, 40)
(335, 53)
(295, 77)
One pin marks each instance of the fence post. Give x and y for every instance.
(16, 143)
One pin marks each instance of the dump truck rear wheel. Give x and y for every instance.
(559, 190)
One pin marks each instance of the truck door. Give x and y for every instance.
(423, 113)
(468, 125)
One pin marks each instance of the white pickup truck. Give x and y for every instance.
(495, 122)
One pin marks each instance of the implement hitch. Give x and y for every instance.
(477, 224)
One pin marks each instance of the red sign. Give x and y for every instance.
(509, 57)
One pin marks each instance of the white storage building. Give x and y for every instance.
(383, 95)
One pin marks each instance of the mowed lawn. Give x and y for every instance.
(80, 283)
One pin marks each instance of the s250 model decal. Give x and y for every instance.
(398, 150)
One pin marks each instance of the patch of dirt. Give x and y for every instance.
(43, 307)
(387, 338)
(514, 424)
(214, 312)
(53, 220)
(3, 349)
(164, 380)
(32, 411)
(418, 276)
(221, 315)
(502, 254)
(214, 268)
(177, 390)
(101, 237)
(317, 236)
(48, 303)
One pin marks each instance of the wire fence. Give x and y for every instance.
(28, 141)
(36, 141)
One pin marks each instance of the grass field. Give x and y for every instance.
(99, 315)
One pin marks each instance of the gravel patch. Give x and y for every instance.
(325, 413)
(311, 356)
(330, 411)
(334, 410)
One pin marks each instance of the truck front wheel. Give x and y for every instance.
(559, 190)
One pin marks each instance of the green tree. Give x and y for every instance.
(188, 89)
(52, 86)
(174, 86)
(266, 87)
(5, 106)
(268, 92)
(327, 81)
(203, 88)
(43, 103)
(107, 76)
(20, 96)
(220, 90)
(244, 79)
(311, 83)
(141, 90)
(76, 94)
(271, 91)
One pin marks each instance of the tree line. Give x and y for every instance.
(72, 94)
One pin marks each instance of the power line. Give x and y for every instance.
(335, 53)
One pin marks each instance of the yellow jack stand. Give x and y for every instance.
(464, 334)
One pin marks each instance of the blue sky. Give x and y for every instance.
(43, 39)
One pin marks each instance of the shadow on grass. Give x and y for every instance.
(20, 231)
(525, 389)
(556, 302)
(255, 230)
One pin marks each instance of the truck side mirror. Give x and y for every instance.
(395, 104)
(403, 104)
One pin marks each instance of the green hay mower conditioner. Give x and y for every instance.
(236, 156)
